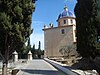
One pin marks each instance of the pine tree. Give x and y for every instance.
(15, 27)
(87, 20)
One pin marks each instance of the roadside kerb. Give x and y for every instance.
(59, 66)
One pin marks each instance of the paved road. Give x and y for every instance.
(39, 67)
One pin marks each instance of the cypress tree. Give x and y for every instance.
(15, 27)
(28, 45)
(87, 20)
(39, 46)
(33, 50)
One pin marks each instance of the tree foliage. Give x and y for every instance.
(87, 20)
(23, 53)
(28, 46)
(67, 51)
(15, 25)
(39, 46)
(37, 53)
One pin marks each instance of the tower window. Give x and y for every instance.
(62, 31)
(71, 21)
(64, 21)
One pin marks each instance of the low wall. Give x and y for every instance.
(59, 66)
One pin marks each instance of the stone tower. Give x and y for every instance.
(62, 35)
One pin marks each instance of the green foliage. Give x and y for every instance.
(28, 46)
(15, 25)
(67, 50)
(37, 53)
(87, 21)
(39, 46)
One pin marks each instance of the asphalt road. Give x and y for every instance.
(39, 67)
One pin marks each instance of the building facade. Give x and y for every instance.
(62, 35)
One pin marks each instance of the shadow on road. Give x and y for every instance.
(42, 72)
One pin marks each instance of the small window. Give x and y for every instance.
(71, 21)
(62, 31)
(64, 21)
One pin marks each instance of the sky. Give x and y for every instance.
(46, 12)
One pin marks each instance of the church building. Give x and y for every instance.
(62, 35)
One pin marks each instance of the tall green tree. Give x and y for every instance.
(87, 20)
(39, 46)
(15, 27)
(33, 50)
(28, 45)
(39, 50)
(23, 53)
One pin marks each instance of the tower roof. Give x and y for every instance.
(66, 13)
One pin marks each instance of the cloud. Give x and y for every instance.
(37, 24)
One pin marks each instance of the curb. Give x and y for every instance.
(58, 65)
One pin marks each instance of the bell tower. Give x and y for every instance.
(66, 18)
